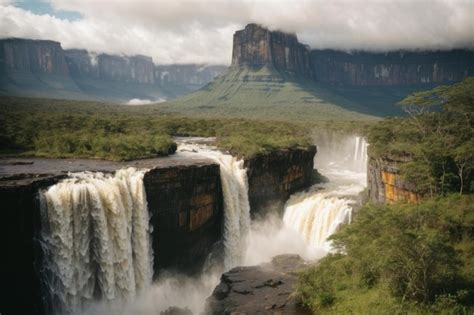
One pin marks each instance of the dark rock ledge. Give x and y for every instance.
(262, 289)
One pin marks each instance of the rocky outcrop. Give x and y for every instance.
(256, 46)
(32, 56)
(263, 289)
(186, 213)
(384, 182)
(274, 177)
(391, 68)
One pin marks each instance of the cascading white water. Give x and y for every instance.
(96, 238)
(236, 203)
(319, 213)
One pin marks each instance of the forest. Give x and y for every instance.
(410, 258)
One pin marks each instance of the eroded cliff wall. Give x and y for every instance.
(392, 68)
(32, 56)
(384, 182)
(274, 177)
(186, 214)
(256, 46)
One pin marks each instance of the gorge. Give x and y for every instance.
(96, 198)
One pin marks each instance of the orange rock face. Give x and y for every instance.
(385, 184)
(396, 193)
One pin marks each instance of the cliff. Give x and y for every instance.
(41, 68)
(384, 182)
(184, 199)
(256, 46)
(32, 56)
(391, 68)
(274, 177)
(190, 75)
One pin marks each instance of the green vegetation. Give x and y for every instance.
(410, 258)
(398, 259)
(60, 129)
(437, 140)
(264, 93)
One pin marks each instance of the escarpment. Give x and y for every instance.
(257, 46)
(386, 184)
(391, 68)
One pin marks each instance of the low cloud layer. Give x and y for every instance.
(197, 31)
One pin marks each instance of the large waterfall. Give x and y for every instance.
(318, 213)
(96, 238)
(236, 203)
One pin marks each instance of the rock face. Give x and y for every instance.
(82, 64)
(190, 75)
(186, 213)
(32, 56)
(274, 177)
(137, 69)
(256, 46)
(384, 182)
(263, 289)
(41, 68)
(392, 68)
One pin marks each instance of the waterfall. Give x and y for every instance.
(360, 152)
(96, 238)
(236, 203)
(320, 212)
(317, 215)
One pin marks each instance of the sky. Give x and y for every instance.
(200, 31)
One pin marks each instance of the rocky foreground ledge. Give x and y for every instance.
(262, 289)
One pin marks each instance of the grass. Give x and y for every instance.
(266, 94)
(79, 129)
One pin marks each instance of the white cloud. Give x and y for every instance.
(197, 31)
(137, 101)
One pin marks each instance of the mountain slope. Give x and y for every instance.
(266, 93)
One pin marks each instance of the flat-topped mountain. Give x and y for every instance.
(256, 46)
(274, 76)
(391, 68)
(41, 68)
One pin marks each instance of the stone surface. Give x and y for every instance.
(274, 177)
(190, 76)
(257, 46)
(32, 56)
(385, 184)
(392, 68)
(41, 68)
(262, 289)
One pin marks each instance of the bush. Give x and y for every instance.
(418, 254)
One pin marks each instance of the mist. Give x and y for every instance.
(190, 32)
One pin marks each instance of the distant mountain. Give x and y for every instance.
(41, 68)
(273, 75)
